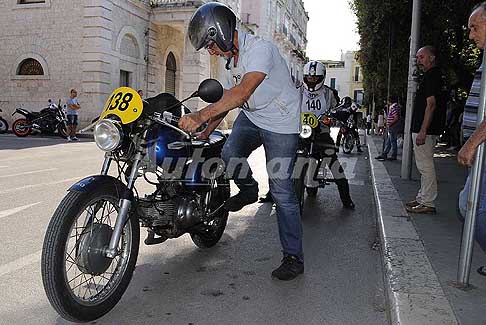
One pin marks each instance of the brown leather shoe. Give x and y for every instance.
(422, 209)
(411, 204)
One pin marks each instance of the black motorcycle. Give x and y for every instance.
(346, 136)
(92, 241)
(48, 121)
(310, 167)
(3, 124)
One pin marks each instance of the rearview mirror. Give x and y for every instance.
(210, 90)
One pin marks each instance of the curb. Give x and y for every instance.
(415, 295)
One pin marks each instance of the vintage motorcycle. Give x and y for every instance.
(48, 121)
(3, 124)
(345, 122)
(310, 168)
(92, 241)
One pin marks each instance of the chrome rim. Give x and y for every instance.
(85, 288)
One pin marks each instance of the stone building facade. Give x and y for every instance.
(345, 76)
(285, 23)
(95, 46)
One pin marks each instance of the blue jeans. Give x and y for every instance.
(244, 139)
(391, 143)
(480, 227)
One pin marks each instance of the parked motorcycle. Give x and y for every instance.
(92, 241)
(3, 124)
(49, 120)
(346, 137)
(311, 169)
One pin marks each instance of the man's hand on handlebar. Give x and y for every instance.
(191, 122)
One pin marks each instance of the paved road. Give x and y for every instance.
(177, 283)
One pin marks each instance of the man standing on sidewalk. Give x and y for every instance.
(477, 27)
(393, 126)
(428, 121)
(72, 115)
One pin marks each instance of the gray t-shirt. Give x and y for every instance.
(71, 101)
(274, 106)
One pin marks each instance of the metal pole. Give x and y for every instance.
(412, 88)
(467, 244)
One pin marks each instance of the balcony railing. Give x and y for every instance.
(162, 3)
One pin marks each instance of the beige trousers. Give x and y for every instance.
(424, 159)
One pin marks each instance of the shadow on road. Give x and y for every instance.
(12, 142)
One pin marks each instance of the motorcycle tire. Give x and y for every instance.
(62, 258)
(299, 186)
(348, 144)
(21, 127)
(312, 191)
(3, 126)
(62, 130)
(212, 233)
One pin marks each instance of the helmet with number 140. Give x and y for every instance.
(314, 75)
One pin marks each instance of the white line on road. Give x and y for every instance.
(28, 173)
(20, 263)
(40, 185)
(3, 166)
(9, 212)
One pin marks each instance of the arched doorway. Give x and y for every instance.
(170, 74)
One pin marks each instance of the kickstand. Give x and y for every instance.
(217, 210)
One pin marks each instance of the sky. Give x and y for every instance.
(331, 28)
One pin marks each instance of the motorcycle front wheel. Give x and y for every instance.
(21, 127)
(299, 186)
(3, 126)
(62, 130)
(348, 144)
(80, 282)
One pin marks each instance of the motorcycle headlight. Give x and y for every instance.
(108, 135)
(306, 131)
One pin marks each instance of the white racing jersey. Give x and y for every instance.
(317, 102)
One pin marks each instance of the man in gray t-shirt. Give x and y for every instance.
(72, 107)
(258, 81)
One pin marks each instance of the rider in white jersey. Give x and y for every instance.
(318, 98)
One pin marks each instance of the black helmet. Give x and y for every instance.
(346, 101)
(213, 22)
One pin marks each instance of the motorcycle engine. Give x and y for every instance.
(171, 215)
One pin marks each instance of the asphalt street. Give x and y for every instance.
(176, 282)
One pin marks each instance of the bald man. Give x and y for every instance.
(428, 121)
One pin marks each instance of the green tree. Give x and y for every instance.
(385, 24)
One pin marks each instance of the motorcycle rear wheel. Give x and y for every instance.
(348, 144)
(213, 231)
(3, 126)
(81, 283)
(21, 127)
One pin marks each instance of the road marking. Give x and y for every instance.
(20, 263)
(9, 212)
(28, 173)
(3, 166)
(40, 185)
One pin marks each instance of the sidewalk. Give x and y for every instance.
(421, 252)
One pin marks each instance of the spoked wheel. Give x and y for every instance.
(3, 126)
(348, 143)
(80, 282)
(211, 233)
(21, 127)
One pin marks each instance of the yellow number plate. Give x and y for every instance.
(125, 103)
(309, 119)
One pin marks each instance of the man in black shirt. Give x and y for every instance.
(428, 121)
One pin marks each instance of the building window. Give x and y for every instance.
(124, 78)
(30, 67)
(170, 74)
(333, 82)
(23, 2)
(356, 74)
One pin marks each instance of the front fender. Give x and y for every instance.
(104, 181)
